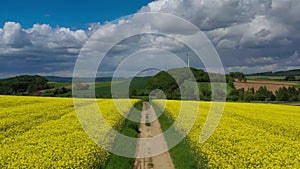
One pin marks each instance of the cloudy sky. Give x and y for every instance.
(46, 38)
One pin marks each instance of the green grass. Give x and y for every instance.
(59, 84)
(139, 84)
(104, 89)
(265, 77)
(206, 86)
(182, 154)
(130, 129)
(297, 86)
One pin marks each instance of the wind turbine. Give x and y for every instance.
(188, 59)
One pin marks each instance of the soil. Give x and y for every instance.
(272, 86)
(151, 153)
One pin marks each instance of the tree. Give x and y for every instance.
(282, 94)
(21, 84)
(233, 95)
(238, 75)
(133, 92)
(200, 75)
(63, 90)
(236, 95)
(218, 94)
(231, 84)
(205, 94)
(290, 78)
(293, 94)
(248, 96)
(262, 94)
(31, 88)
(165, 82)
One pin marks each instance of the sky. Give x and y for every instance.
(46, 38)
(74, 14)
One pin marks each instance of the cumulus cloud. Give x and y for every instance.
(250, 36)
(260, 60)
(247, 34)
(211, 14)
(14, 36)
(265, 68)
(40, 49)
(293, 60)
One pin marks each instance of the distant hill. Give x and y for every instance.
(23, 84)
(58, 79)
(295, 72)
(69, 79)
(165, 81)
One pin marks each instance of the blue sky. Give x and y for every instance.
(74, 14)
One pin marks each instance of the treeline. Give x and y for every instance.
(290, 94)
(291, 78)
(23, 85)
(57, 92)
(166, 82)
(295, 72)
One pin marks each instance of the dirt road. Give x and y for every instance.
(151, 153)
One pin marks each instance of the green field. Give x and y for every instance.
(297, 86)
(59, 84)
(207, 86)
(103, 89)
(265, 77)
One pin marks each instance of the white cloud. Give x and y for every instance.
(41, 38)
(227, 44)
(246, 33)
(257, 69)
(250, 35)
(39, 49)
(260, 60)
(293, 60)
(14, 35)
(211, 14)
(43, 29)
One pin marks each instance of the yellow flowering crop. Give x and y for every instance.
(249, 135)
(39, 132)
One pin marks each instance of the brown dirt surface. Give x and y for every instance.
(256, 84)
(150, 154)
